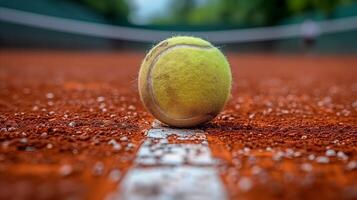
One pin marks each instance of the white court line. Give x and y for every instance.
(167, 171)
(162, 153)
(171, 183)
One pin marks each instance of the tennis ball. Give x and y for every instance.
(184, 81)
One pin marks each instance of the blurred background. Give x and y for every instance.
(321, 26)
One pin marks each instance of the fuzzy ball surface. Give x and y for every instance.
(184, 81)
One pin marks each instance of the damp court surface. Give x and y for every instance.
(72, 127)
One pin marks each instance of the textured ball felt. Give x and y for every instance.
(184, 81)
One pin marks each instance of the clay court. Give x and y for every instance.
(71, 126)
(76, 124)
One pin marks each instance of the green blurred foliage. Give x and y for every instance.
(326, 6)
(115, 10)
(243, 12)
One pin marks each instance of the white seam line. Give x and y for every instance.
(167, 171)
(152, 66)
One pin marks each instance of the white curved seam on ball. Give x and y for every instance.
(153, 64)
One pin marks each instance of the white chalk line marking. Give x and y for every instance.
(167, 171)
(181, 134)
(169, 183)
(162, 153)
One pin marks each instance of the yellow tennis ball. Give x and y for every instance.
(184, 81)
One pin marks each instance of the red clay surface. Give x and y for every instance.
(71, 123)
